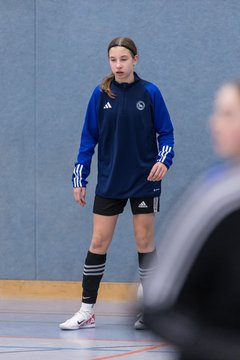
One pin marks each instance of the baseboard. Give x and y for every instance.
(64, 289)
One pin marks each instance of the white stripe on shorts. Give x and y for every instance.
(155, 204)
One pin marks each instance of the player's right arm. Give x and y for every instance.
(80, 195)
(89, 139)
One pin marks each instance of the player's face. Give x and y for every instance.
(225, 122)
(122, 64)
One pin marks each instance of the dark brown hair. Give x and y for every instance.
(119, 41)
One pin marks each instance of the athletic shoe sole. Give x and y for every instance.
(77, 328)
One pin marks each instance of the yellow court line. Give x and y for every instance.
(64, 289)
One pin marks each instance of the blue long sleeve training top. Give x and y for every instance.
(133, 131)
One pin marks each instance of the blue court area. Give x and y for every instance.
(29, 330)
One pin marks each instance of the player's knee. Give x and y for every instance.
(143, 241)
(98, 245)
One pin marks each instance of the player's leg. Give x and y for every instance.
(144, 237)
(143, 220)
(144, 232)
(103, 229)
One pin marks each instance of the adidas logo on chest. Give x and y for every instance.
(107, 105)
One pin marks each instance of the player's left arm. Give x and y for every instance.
(165, 136)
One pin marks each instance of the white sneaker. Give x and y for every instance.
(81, 320)
(139, 324)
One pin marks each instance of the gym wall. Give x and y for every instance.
(53, 53)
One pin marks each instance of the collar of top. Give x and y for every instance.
(126, 85)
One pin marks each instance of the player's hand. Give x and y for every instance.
(157, 172)
(80, 195)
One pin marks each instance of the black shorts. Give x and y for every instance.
(109, 207)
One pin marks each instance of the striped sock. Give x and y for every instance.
(92, 275)
(146, 265)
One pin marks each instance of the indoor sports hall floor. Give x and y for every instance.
(29, 330)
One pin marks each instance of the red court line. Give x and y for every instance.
(130, 352)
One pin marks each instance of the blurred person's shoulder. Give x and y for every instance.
(216, 172)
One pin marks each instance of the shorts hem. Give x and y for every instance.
(106, 213)
(145, 212)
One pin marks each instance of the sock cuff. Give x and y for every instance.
(147, 259)
(86, 306)
(95, 259)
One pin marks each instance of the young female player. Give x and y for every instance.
(128, 119)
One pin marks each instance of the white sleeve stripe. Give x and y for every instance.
(162, 154)
(161, 151)
(77, 180)
(76, 170)
(80, 175)
(165, 149)
(167, 152)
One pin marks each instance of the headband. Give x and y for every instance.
(127, 47)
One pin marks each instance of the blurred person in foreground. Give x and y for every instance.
(194, 299)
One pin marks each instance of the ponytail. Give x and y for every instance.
(105, 85)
